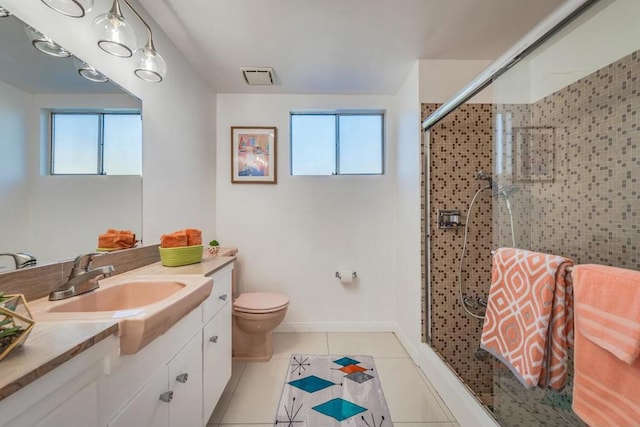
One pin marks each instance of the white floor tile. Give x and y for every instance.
(408, 397)
(236, 372)
(451, 424)
(247, 425)
(435, 393)
(378, 345)
(286, 344)
(257, 394)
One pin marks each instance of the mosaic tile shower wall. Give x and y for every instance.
(460, 147)
(589, 209)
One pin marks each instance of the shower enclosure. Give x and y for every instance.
(550, 165)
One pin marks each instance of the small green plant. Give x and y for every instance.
(214, 243)
(8, 330)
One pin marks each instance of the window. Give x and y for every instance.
(96, 143)
(345, 143)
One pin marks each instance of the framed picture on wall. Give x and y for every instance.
(533, 154)
(253, 155)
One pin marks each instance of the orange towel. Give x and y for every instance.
(174, 240)
(194, 236)
(606, 389)
(117, 239)
(528, 323)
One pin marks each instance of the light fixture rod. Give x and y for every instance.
(150, 40)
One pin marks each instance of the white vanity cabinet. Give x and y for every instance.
(178, 389)
(173, 395)
(216, 341)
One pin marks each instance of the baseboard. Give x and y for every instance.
(407, 344)
(336, 327)
(462, 404)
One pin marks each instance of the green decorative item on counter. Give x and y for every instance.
(16, 322)
(214, 247)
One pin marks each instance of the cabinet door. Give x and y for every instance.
(80, 410)
(217, 358)
(185, 380)
(147, 408)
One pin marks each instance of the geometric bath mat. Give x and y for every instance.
(322, 390)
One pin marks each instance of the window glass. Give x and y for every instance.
(75, 144)
(337, 143)
(360, 144)
(122, 147)
(314, 150)
(96, 143)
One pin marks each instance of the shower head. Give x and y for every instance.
(507, 190)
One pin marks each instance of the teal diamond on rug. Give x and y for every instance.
(339, 409)
(346, 361)
(311, 384)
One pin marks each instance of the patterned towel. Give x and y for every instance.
(529, 319)
(606, 389)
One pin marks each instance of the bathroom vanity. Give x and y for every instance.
(73, 371)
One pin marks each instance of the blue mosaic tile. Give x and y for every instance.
(346, 361)
(339, 409)
(311, 384)
(359, 377)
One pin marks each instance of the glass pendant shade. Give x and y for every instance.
(88, 72)
(45, 45)
(115, 35)
(150, 66)
(73, 8)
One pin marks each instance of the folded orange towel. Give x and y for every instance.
(174, 240)
(194, 236)
(117, 239)
(528, 322)
(606, 389)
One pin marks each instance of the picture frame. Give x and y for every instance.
(253, 154)
(533, 155)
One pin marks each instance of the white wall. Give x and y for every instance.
(178, 151)
(294, 236)
(14, 207)
(407, 201)
(441, 79)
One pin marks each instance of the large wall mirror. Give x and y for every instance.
(56, 217)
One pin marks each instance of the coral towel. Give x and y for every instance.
(528, 323)
(606, 389)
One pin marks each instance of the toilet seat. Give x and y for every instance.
(260, 302)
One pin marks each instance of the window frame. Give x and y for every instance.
(337, 114)
(100, 152)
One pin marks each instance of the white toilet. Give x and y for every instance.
(255, 316)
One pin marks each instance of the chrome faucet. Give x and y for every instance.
(22, 259)
(82, 278)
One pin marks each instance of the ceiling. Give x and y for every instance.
(338, 46)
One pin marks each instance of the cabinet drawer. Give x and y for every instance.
(220, 295)
(216, 348)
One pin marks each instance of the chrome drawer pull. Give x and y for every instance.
(214, 339)
(166, 397)
(182, 378)
(223, 297)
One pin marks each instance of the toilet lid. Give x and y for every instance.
(260, 302)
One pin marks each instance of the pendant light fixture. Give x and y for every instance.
(89, 72)
(73, 8)
(115, 35)
(45, 45)
(115, 39)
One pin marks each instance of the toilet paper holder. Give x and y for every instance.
(354, 275)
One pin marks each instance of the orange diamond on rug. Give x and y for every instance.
(350, 369)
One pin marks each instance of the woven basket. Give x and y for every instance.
(184, 255)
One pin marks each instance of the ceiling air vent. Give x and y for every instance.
(258, 75)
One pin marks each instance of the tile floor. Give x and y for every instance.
(251, 397)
